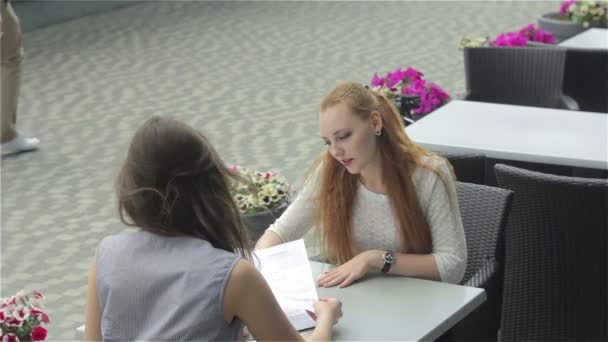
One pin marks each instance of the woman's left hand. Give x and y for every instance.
(348, 272)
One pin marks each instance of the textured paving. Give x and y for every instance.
(248, 74)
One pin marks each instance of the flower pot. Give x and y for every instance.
(538, 44)
(562, 29)
(257, 223)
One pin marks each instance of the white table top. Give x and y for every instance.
(529, 134)
(392, 308)
(593, 38)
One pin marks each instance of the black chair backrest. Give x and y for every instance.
(556, 257)
(586, 78)
(518, 76)
(468, 167)
(484, 212)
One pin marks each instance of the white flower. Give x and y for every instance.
(262, 191)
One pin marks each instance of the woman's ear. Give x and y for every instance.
(376, 120)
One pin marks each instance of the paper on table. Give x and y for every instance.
(287, 271)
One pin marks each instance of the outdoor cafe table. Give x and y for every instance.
(393, 308)
(529, 134)
(593, 38)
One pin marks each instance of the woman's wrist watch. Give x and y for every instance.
(389, 260)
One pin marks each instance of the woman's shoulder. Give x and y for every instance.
(118, 239)
(432, 166)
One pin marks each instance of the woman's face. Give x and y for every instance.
(351, 140)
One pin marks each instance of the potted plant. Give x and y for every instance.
(526, 36)
(574, 17)
(261, 198)
(529, 35)
(22, 317)
(410, 83)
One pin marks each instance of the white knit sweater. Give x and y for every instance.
(374, 224)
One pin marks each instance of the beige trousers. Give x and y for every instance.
(11, 51)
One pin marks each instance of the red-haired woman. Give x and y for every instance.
(381, 202)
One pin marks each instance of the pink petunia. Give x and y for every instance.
(22, 313)
(544, 37)
(510, 39)
(412, 74)
(13, 322)
(394, 78)
(269, 175)
(528, 30)
(38, 334)
(377, 81)
(10, 337)
(41, 315)
(566, 6)
(12, 300)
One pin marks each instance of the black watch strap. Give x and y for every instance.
(389, 260)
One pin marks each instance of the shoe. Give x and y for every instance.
(19, 144)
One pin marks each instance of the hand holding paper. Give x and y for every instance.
(287, 271)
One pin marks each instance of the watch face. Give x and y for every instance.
(389, 257)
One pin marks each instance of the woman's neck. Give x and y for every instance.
(371, 177)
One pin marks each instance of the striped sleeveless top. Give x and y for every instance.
(156, 288)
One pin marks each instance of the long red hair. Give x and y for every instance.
(338, 188)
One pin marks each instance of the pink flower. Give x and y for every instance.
(41, 315)
(38, 334)
(2, 318)
(566, 6)
(22, 313)
(38, 294)
(10, 337)
(436, 89)
(234, 168)
(412, 74)
(544, 37)
(528, 31)
(393, 78)
(410, 81)
(520, 38)
(13, 322)
(377, 81)
(510, 39)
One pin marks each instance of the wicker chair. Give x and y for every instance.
(484, 213)
(517, 76)
(468, 167)
(585, 78)
(556, 257)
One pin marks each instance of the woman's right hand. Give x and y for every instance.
(329, 309)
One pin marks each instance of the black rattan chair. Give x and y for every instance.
(517, 76)
(586, 78)
(468, 167)
(556, 257)
(484, 211)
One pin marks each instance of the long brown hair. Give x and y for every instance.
(173, 183)
(399, 157)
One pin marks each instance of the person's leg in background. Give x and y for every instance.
(11, 51)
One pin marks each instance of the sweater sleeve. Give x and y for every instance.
(299, 217)
(443, 215)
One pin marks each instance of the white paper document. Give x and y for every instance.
(287, 270)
